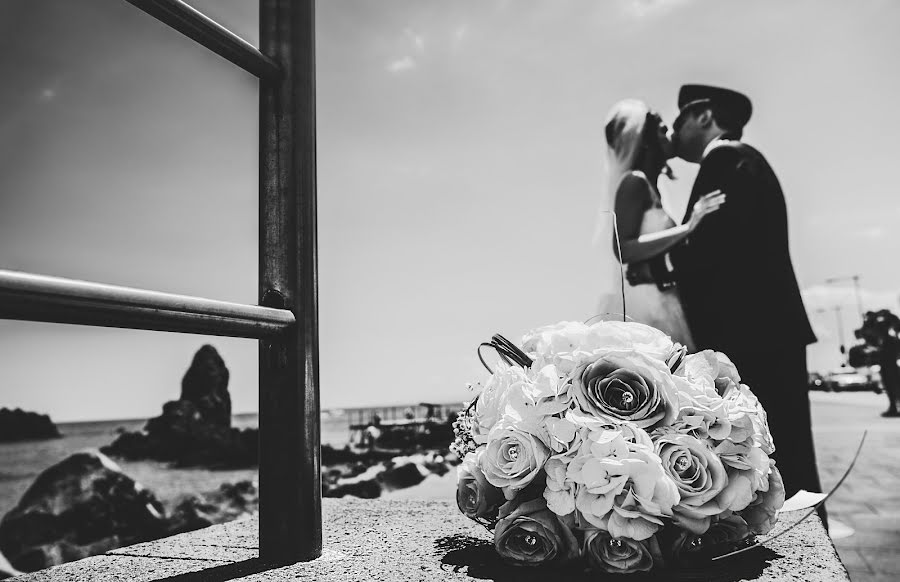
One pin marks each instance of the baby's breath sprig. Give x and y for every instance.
(462, 429)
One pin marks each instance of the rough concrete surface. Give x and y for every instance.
(409, 540)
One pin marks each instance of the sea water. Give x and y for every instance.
(21, 462)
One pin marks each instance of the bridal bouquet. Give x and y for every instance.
(609, 446)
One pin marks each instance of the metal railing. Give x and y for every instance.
(286, 319)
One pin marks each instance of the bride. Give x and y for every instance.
(639, 147)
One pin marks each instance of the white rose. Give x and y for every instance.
(643, 338)
(743, 485)
(514, 455)
(711, 369)
(699, 475)
(493, 400)
(562, 337)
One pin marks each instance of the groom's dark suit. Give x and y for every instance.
(741, 297)
(735, 274)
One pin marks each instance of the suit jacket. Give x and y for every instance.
(734, 272)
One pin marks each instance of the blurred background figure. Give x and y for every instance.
(880, 332)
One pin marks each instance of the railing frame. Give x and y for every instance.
(290, 511)
(209, 33)
(286, 320)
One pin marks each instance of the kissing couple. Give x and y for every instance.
(721, 277)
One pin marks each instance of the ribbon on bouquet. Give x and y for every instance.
(810, 512)
(508, 352)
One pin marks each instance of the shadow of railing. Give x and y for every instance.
(224, 572)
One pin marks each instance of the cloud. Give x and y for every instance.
(400, 65)
(872, 232)
(459, 36)
(647, 8)
(417, 40)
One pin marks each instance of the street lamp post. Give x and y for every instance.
(840, 330)
(855, 279)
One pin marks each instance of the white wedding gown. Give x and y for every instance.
(646, 303)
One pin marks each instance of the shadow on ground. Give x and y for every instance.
(478, 559)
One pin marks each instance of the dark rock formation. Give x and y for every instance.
(402, 476)
(371, 479)
(205, 385)
(19, 425)
(6, 569)
(196, 429)
(228, 503)
(79, 507)
(363, 489)
(85, 505)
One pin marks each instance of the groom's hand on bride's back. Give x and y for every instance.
(706, 205)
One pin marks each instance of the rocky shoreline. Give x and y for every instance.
(86, 505)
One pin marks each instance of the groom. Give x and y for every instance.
(735, 275)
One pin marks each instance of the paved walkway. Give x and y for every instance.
(868, 503)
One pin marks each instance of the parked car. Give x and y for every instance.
(845, 379)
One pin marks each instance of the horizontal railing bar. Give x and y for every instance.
(29, 297)
(202, 29)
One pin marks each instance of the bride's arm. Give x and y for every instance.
(640, 247)
(649, 245)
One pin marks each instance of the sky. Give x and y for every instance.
(460, 167)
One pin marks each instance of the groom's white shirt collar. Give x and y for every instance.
(716, 142)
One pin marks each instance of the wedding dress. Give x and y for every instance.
(645, 302)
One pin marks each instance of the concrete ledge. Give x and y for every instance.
(404, 540)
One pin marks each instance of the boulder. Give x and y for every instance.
(402, 476)
(369, 489)
(82, 506)
(228, 503)
(19, 425)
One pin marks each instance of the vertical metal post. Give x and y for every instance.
(859, 306)
(289, 464)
